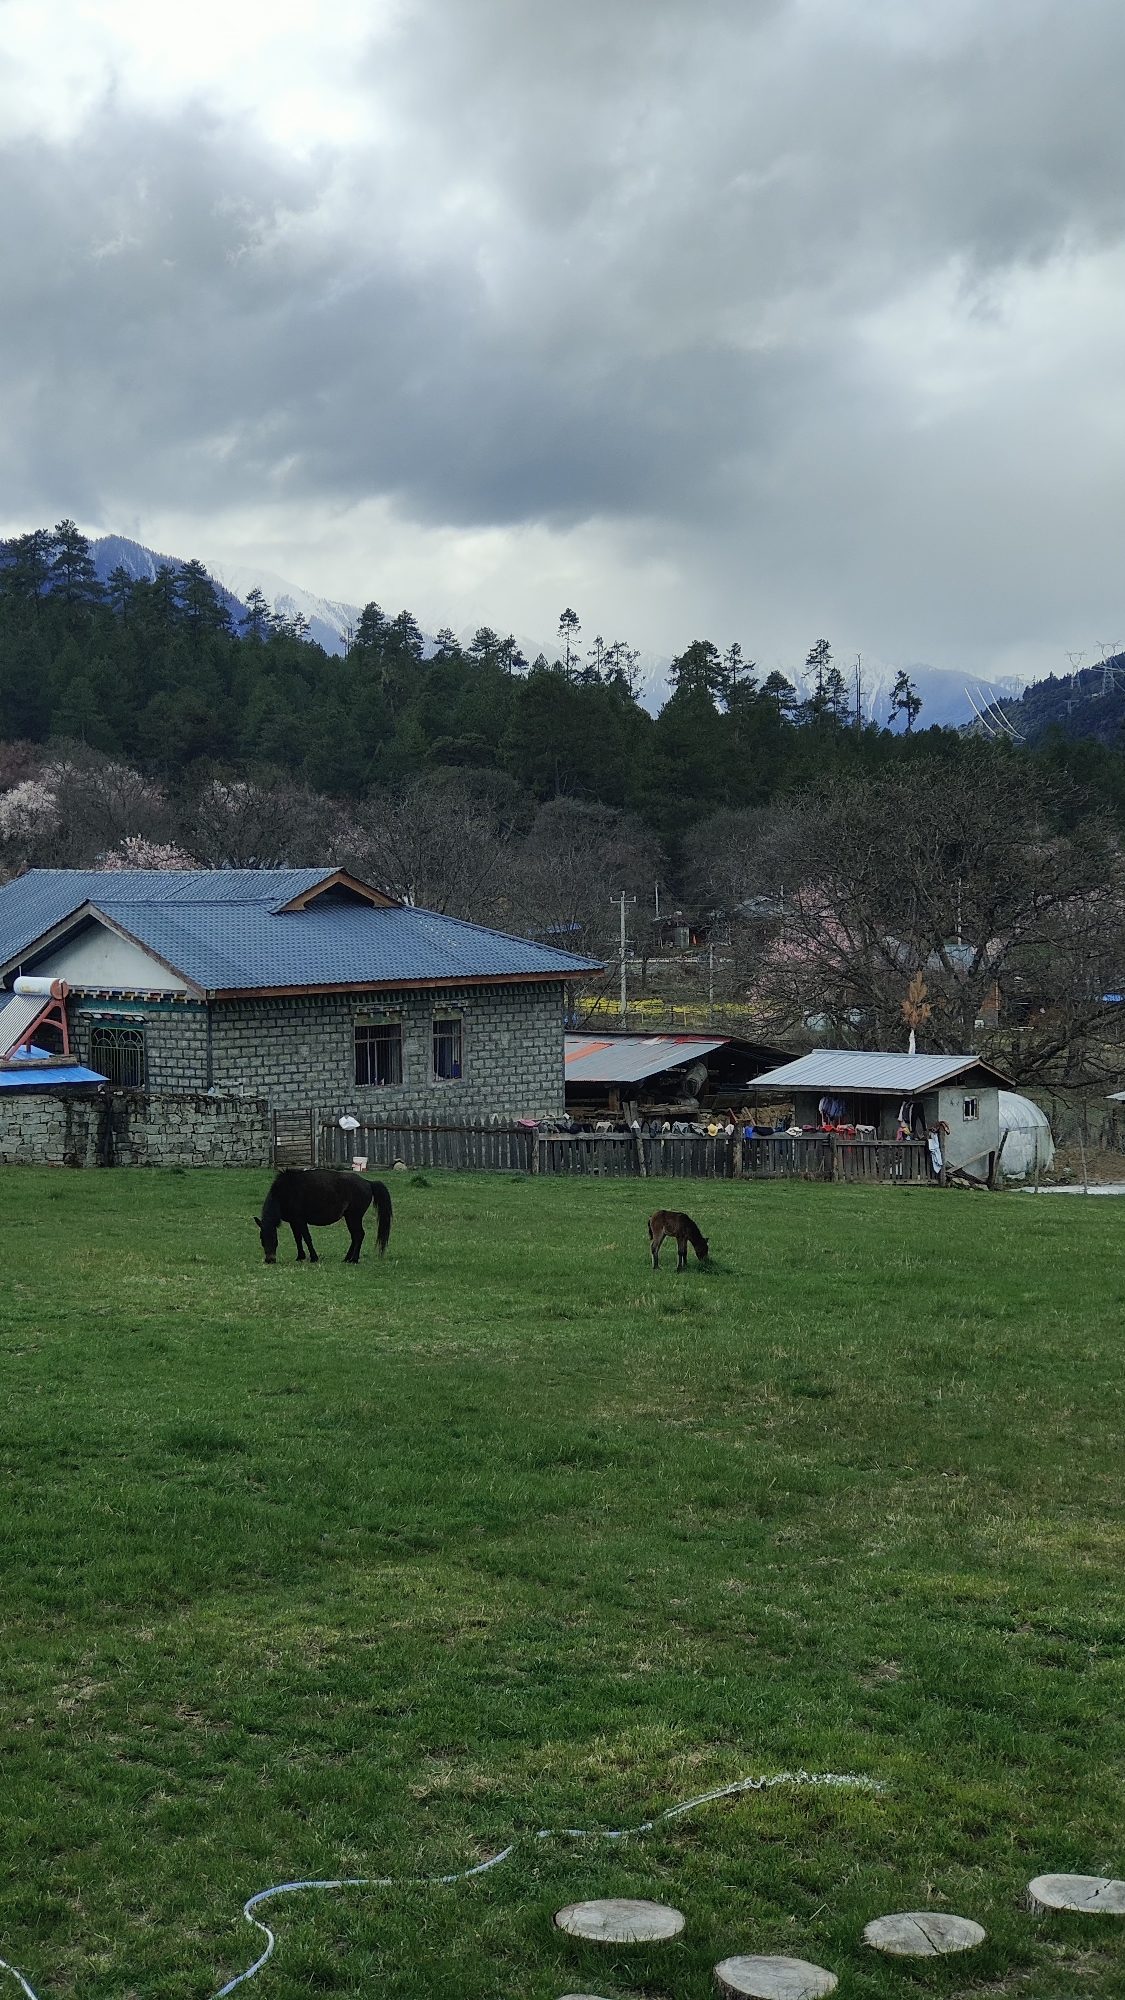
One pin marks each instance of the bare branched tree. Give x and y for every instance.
(247, 823)
(443, 841)
(79, 807)
(955, 877)
(574, 860)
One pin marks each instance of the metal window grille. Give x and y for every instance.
(120, 1055)
(447, 1048)
(378, 1052)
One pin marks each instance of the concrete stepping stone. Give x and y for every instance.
(773, 1979)
(620, 1920)
(923, 1933)
(1094, 1895)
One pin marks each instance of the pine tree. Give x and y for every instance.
(73, 577)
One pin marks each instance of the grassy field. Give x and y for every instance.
(310, 1571)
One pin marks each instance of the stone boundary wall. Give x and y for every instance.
(129, 1128)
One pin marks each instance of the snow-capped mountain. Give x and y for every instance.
(112, 552)
(331, 622)
(947, 698)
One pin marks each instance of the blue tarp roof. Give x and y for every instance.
(35, 1075)
(223, 931)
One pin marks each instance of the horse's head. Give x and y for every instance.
(267, 1229)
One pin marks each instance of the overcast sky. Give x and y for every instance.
(754, 319)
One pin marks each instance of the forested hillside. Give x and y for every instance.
(156, 672)
(862, 881)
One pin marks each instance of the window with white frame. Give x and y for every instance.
(970, 1108)
(378, 1050)
(447, 1048)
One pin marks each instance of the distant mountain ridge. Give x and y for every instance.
(1087, 703)
(112, 552)
(946, 697)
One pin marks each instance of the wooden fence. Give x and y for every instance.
(489, 1147)
(483, 1146)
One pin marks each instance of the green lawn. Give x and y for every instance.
(310, 1571)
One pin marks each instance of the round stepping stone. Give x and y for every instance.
(773, 1979)
(1095, 1895)
(923, 1934)
(620, 1920)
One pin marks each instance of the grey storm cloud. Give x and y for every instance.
(593, 261)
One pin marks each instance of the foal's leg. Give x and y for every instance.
(656, 1241)
(681, 1247)
(298, 1230)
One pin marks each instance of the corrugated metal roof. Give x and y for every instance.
(235, 941)
(874, 1071)
(44, 895)
(34, 1073)
(630, 1058)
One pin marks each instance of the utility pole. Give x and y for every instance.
(620, 902)
(711, 984)
(859, 694)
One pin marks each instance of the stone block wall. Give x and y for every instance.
(175, 1039)
(299, 1052)
(130, 1128)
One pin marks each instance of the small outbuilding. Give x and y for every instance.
(881, 1095)
(662, 1076)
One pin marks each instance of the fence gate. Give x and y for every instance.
(293, 1139)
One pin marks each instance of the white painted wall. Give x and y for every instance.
(969, 1137)
(98, 958)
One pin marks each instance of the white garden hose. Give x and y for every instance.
(845, 1780)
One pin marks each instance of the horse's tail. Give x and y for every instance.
(381, 1197)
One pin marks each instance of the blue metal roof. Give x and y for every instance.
(224, 931)
(36, 1075)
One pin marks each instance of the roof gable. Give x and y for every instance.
(231, 932)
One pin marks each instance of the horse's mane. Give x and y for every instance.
(271, 1207)
(695, 1236)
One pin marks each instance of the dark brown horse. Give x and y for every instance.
(669, 1222)
(319, 1196)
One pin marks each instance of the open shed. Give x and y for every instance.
(888, 1095)
(662, 1075)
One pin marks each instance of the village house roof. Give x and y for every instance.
(876, 1072)
(239, 932)
(594, 1058)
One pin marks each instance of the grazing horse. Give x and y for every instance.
(319, 1196)
(668, 1222)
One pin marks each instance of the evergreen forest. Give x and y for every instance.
(157, 672)
(858, 876)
